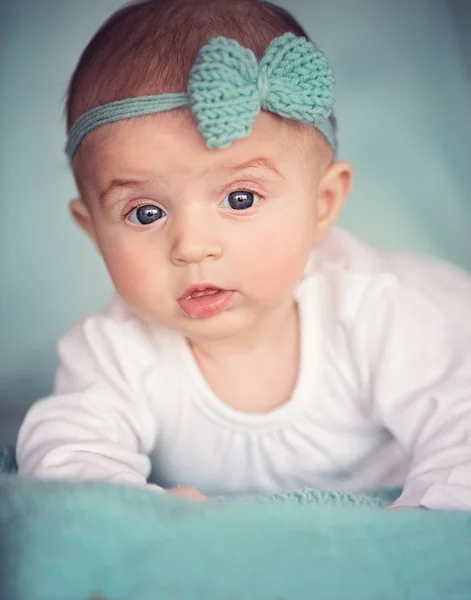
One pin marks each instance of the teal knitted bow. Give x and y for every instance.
(227, 89)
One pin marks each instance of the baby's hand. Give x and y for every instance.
(406, 508)
(189, 493)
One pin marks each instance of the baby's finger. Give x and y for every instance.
(188, 492)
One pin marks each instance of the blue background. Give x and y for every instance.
(404, 91)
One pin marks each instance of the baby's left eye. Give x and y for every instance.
(240, 200)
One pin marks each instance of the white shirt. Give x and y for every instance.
(383, 395)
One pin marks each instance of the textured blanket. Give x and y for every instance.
(77, 541)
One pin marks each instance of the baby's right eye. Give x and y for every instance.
(145, 215)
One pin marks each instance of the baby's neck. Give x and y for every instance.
(272, 331)
(258, 373)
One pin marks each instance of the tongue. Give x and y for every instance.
(205, 292)
(206, 303)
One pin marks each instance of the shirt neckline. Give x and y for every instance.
(305, 383)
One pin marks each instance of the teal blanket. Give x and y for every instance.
(77, 541)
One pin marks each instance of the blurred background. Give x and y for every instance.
(403, 72)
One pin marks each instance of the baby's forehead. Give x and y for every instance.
(171, 142)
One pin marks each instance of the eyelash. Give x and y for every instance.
(243, 189)
(125, 214)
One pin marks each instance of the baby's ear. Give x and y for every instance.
(81, 215)
(334, 187)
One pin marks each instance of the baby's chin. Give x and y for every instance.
(234, 322)
(175, 319)
(222, 327)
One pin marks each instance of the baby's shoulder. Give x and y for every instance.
(343, 297)
(115, 333)
(354, 275)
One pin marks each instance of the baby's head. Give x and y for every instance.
(203, 230)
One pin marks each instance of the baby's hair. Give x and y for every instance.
(148, 47)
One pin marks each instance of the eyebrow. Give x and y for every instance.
(118, 183)
(260, 163)
(254, 163)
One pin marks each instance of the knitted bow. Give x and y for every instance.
(228, 87)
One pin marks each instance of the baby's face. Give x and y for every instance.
(208, 242)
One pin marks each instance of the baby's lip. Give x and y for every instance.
(204, 301)
(202, 289)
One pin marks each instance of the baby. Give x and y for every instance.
(251, 346)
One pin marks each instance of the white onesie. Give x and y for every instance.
(383, 395)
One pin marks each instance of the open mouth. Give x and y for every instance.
(205, 292)
(205, 301)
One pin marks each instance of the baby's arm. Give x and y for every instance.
(419, 383)
(97, 425)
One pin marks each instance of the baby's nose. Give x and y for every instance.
(194, 241)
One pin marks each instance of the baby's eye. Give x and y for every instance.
(145, 215)
(240, 200)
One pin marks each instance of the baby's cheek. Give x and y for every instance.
(276, 252)
(130, 271)
(276, 272)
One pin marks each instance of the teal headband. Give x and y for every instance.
(228, 87)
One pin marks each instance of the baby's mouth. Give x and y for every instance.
(205, 292)
(205, 300)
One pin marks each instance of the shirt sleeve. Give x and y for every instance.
(416, 368)
(97, 424)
